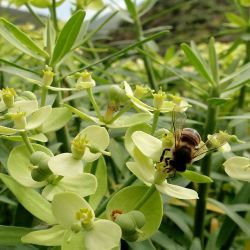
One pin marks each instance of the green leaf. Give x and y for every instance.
(126, 121)
(11, 236)
(118, 153)
(229, 226)
(239, 81)
(49, 37)
(20, 40)
(30, 199)
(131, 8)
(142, 245)
(7, 131)
(126, 199)
(196, 244)
(99, 169)
(197, 63)
(17, 70)
(213, 60)
(218, 101)
(67, 37)
(57, 119)
(238, 21)
(178, 217)
(243, 224)
(196, 177)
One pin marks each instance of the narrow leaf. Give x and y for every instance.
(30, 199)
(67, 37)
(195, 60)
(11, 236)
(243, 224)
(196, 177)
(20, 40)
(213, 60)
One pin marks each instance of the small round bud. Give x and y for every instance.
(38, 174)
(48, 76)
(139, 218)
(117, 94)
(8, 95)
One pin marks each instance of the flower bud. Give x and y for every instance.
(8, 95)
(141, 91)
(48, 76)
(159, 99)
(117, 95)
(85, 81)
(78, 146)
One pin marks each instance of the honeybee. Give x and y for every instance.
(187, 145)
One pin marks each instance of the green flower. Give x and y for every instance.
(48, 76)
(238, 168)
(148, 168)
(77, 227)
(88, 146)
(21, 168)
(159, 103)
(85, 81)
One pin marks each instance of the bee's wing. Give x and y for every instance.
(208, 146)
(178, 120)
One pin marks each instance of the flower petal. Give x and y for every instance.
(144, 173)
(98, 137)
(104, 235)
(238, 167)
(167, 106)
(148, 145)
(27, 106)
(176, 191)
(48, 237)
(83, 184)
(65, 165)
(66, 205)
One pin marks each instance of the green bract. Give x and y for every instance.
(77, 227)
(20, 168)
(238, 168)
(125, 201)
(96, 140)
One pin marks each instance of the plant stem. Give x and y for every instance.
(242, 95)
(27, 141)
(44, 95)
(203, 188)
(144, 199)
(121, 112)
(53, 15)
(34, 14)
(102, 207)
(147, 62)
(155, 121)
(95, 106)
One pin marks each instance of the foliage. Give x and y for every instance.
(104, 159)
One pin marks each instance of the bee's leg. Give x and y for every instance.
(163, 154)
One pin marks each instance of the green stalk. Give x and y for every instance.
(44, 96)
(27, 142)
(95, 106)
(144, 199)
(242, 95)
(53, 15)
(203, 188)
(34, 15)
(102, 207)
(155, 121)
(121, 112)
